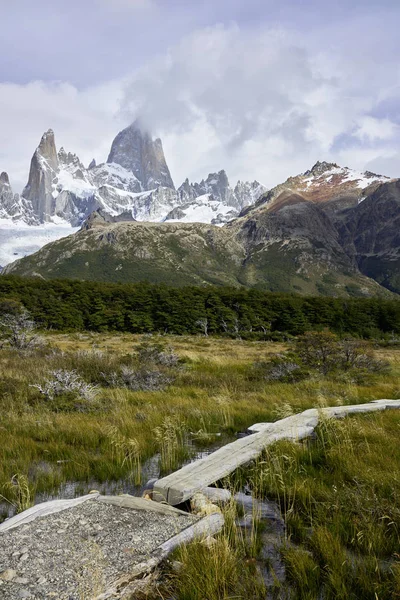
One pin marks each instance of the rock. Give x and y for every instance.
(217, 495)
(21, 580)
(24, 557)
(8, 575)
(201, 505)
(24, 594)
(135, 150)
(176, 566)
(218, 187)
(44, 167)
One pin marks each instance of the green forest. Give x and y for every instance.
(67, 305)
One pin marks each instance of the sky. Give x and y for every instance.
(260, 88)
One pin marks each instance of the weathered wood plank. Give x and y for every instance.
(181, 485)
(44, 509)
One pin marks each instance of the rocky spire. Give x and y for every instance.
(4, 178)
(44, 167)
(135, 150)
(10, 203)
(92, 164)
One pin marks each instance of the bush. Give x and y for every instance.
(324, 353)
(67, 383)
(140, 380)
(284, 368)
(157, 354)
(19, 331)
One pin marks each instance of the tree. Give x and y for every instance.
(203, 324)
(318, 349)
(19, 330)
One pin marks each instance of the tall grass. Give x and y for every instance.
(340, 496)
(217, 392)
(222, 568)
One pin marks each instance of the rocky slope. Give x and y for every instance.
(293, 245)
(370, 235)
(11, 205)
(327, 182)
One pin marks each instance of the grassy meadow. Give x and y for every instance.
(339, 493)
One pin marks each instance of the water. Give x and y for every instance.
(73, 489)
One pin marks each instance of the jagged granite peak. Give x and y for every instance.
(6, 197)
(218, 188)
(321, 167)
(247, 193)
(44, 167)
(135, 150)
(92, 164)
(47, 149)
(72, 163)
(12, 206)
(4, 178)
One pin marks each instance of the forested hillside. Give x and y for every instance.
(213, 310)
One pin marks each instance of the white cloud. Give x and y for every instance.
(372, 129)
(84, 122)
(261, 103)
(258, 103)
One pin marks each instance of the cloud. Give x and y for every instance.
(84, 122)
(260, 103)
(371, 129)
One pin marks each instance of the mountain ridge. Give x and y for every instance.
(135, 178)
(294, 245)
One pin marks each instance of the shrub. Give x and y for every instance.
(139, 380)
(283, 368)
(19, 331)
(157, 354)
(67, 382)
(318, 350)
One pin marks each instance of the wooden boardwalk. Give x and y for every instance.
(181, 485)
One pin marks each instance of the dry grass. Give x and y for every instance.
(217, 391)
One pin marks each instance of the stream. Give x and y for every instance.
(72, 489)
(269, 563)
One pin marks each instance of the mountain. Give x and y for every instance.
(370, 234)
(328, 182)
(214, 200)
(291, 244)
(135, 179)
(11, 205)
(137, 152)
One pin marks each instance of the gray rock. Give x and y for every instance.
(218, 187)
(8, 575)
(24, 557)
(44, 168)
(135, 150)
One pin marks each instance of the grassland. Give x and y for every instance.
(339, 493)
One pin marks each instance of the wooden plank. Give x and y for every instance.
(181, 485)
(44, 509)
